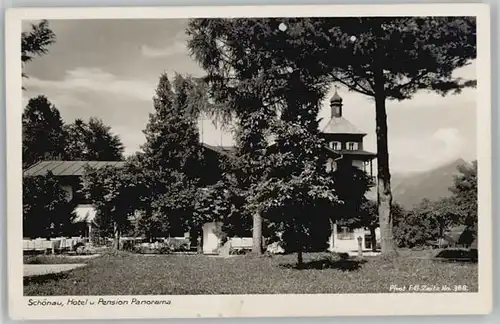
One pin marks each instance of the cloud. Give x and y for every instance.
(177, 44)
(413, 154)
(451, 139)
(122, 103)
(178, 47)
(94, 80)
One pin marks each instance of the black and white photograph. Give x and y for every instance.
(213, 154)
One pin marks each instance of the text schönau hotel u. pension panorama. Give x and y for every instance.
(97, 302)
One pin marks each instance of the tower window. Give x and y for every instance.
(352, 146)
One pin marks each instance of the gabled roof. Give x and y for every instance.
(67, 168)
(340, 125)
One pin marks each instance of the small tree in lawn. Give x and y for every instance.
(369, 219)
(296, 183)
(393, 58)
(47, 209)
(296, 179)
(113, 193)
(212, 204)
(43, 132)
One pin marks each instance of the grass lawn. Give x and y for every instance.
(134, 274)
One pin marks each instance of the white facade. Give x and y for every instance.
(211, 242)
(341, 239)
(346, 240)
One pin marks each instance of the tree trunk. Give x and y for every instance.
(384, 195)
(373, 239)
(257, 234)
(300, 260)
(299, 239)
(116, 241)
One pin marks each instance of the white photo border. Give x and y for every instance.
(192, 306)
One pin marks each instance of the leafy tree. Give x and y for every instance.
(114, 192)
(357, 211)
(419, 227)
(47, 208)
(430, 220)
(393, 58)
(43, 133)
(351, 185)
(212, 203)
(36, 41)
(425, 223)
(92, 141)
(464, 199)
(296, 190)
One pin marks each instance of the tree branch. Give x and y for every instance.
(356, 86)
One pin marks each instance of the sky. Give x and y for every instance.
(110, 68)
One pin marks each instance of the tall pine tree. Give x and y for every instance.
(264, 76)
(172, 155)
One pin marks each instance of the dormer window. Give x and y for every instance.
(335, 145)
(352, 146)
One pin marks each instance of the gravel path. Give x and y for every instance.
(43, 269)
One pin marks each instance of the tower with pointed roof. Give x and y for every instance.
(346, 139)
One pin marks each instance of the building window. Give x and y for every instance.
(352, 146)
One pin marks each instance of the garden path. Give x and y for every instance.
(43, 269)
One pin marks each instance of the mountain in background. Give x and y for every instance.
(409, 189)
